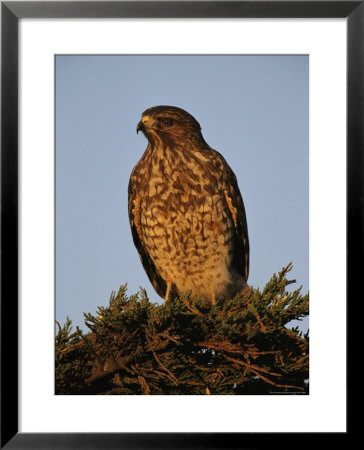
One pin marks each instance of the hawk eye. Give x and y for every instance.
(166, 121)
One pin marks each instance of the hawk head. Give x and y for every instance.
(168, 124)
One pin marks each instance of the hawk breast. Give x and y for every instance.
(185, 223)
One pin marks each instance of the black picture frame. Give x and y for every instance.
(11, 12)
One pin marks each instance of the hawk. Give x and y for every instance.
(186, 212)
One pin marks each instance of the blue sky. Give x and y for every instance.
(252, 109)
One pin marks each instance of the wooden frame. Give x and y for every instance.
(11, 12)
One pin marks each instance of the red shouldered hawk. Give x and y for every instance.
(186, 212)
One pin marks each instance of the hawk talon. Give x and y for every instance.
(168, 291)
(213, 298)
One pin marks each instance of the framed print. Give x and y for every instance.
(281, 79)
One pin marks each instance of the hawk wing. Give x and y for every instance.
(157, 281)
(235, 205)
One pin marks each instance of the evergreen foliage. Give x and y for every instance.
(186, 346)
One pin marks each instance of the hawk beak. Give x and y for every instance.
(140, 127)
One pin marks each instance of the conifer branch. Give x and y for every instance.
(188, 347)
